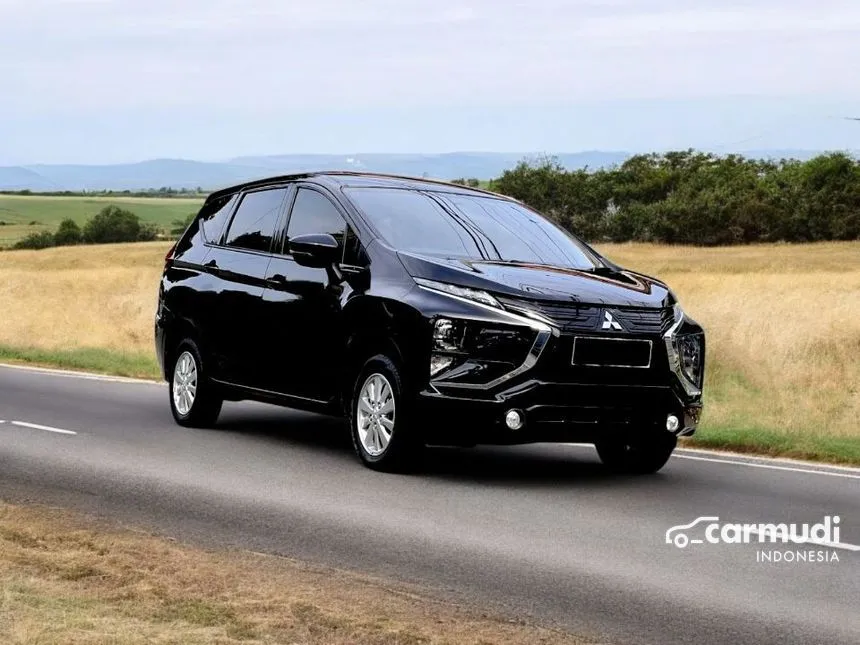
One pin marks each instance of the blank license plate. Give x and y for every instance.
(611, 352)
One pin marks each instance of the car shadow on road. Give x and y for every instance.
(530, 465)
(288, 426)
(527, 465)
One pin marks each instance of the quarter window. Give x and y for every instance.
(214, 215)
(254, 223)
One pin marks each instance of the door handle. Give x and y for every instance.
(212, 267)
(277, 280)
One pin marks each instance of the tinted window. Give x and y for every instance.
(214, 215)
(313, 212)
(476, 227)
(254, 223)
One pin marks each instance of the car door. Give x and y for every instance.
(238, 265)
(302, 306)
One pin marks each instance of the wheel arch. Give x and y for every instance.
(179, 330)
(386, 327)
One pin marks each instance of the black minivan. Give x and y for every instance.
(426, 313)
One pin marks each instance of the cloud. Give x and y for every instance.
(255, 59)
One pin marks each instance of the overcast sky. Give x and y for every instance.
(89, 81)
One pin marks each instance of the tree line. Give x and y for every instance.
(683, 197)
(690, 197)
(164, 191)
(109, 226)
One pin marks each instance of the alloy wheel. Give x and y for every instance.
(375, 414)
(184, 383)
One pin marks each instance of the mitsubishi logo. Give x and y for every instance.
(610, 323)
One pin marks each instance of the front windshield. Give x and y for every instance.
(468, 226)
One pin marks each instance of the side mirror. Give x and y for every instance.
(317, 250)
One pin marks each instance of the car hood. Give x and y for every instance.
(604, 286)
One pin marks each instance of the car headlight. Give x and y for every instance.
(475, 295)
(690, 347)
(477, 352)
(686, 353)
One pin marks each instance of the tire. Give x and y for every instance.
(380, 418)
(642, 455)
(194, 400)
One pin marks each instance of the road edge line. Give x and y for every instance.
(90, 376)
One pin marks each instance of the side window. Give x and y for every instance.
(254, 223)
(214, 215)
(313, 212)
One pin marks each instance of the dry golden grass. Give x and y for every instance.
(67, 580)
(82, 296)
(783, 325)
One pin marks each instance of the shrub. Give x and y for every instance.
(178, 226)
(112, 224)
(40, 240)
(148, 232)
(68, 233)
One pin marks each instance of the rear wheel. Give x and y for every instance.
(380, 416)
(641, 455)
(194, 401)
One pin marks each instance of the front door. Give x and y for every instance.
(304, 308)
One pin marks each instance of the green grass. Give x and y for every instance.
(17, 212)
(765, 441)
(90, 359)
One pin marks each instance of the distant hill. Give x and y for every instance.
(178, 173)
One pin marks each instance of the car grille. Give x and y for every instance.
(575, 317)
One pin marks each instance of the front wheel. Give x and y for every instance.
(641, 455)
(194, 401)
(380, 413)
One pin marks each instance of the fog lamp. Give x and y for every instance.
(672, 423)
(514, 419)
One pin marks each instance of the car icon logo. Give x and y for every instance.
(677, 535)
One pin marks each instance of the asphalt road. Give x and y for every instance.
(540, 531)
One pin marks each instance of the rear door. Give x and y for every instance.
(238, 265)
(303, 308)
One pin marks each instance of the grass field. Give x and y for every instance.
(17, 212)
(783, 323)
(70, 580)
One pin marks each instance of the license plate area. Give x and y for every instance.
(611, 352)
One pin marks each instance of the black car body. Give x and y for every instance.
(479, 319)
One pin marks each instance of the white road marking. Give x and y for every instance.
(832, 545)
(36, 426)
(755, 461)
(727, 454)
(808, 471)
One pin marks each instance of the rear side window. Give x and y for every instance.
(313, 212)
(214, 215)
(253, 226)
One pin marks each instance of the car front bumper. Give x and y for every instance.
(554, 412)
